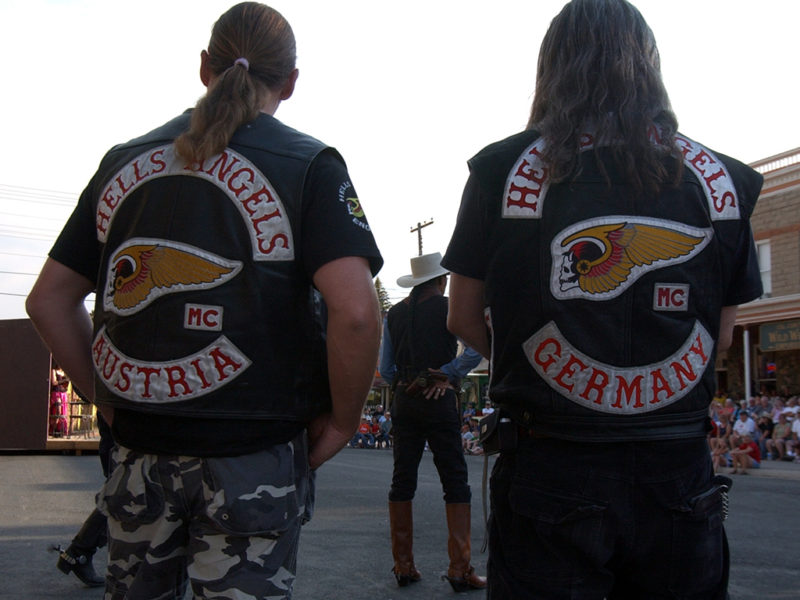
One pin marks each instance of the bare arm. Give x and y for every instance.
(726, 322)
(55, 305)
(354, 325)
(465, 316)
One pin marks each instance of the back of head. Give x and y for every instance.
(252, 50)
(599, 72)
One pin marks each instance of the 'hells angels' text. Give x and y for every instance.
(248, 188)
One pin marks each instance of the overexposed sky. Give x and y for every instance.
(406, 91)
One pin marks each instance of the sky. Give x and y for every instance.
(407, 92)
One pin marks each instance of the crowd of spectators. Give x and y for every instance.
(765, 427)
(375, 429)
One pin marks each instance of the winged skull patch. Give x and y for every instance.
(599, 259)
(143, 269)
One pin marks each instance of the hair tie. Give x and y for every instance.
(244, 62)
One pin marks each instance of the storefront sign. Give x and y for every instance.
(779, 336)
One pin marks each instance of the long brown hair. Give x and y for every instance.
(260, 35)
(599, 68)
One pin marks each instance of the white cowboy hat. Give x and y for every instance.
(423, 268)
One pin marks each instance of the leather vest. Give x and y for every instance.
(433, 344)
(604, 305)
(203, 307)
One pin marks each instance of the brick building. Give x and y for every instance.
(767, 334)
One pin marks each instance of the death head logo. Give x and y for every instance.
(600, 258)
(142, 270)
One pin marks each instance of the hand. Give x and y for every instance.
(325, 440)
(439, 386)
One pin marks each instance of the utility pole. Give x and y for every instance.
(418, 229)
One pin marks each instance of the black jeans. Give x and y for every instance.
(416, 419)
(584, 521)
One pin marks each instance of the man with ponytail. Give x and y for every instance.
(607, 253)
(235, 330)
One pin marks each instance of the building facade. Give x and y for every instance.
(765, 356)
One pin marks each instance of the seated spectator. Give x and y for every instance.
(743, 426)
(469, 412)
(791, 408)
(746, 456)
(363, 437)
(487, 407)
(793, 444)
(469, 441)
(764, 407)
(765, 429)
(781, 434)
(384, 439)
(777, 409)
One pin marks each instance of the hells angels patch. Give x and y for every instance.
(599, 259)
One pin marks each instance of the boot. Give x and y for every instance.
(78, 556)
(80, 564)
(401, 524)
(460, 573)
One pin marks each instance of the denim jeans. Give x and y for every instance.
(583, 521)
(415, 420)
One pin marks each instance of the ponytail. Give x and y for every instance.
(252, 50)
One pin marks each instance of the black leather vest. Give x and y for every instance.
(203, 308)
(604, 305)
(433, 345)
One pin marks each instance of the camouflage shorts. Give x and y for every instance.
(228, 526)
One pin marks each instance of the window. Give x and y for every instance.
(764, 252)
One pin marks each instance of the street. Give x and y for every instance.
(345, 550)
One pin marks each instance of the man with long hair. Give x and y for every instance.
(607, 253)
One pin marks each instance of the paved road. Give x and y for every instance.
(345, 551)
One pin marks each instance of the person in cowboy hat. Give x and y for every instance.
(419, 358)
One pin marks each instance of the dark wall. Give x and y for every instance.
(24, 386)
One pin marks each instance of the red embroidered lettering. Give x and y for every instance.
(147, 372)
(683, 370)
(106, 371)
(177, 376)
(221, 361)
(97, 349)
(156, 160)
(222, 167)
(568, 370)
(102, 221)
(121, 184)
(727, 198)
(261, 195)
(273, 243)
(697, 348)
(123, 375)
(552, 357)
(659, 385)
(199, 371)
(249, 180)
(632, 389)
(597, 383)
